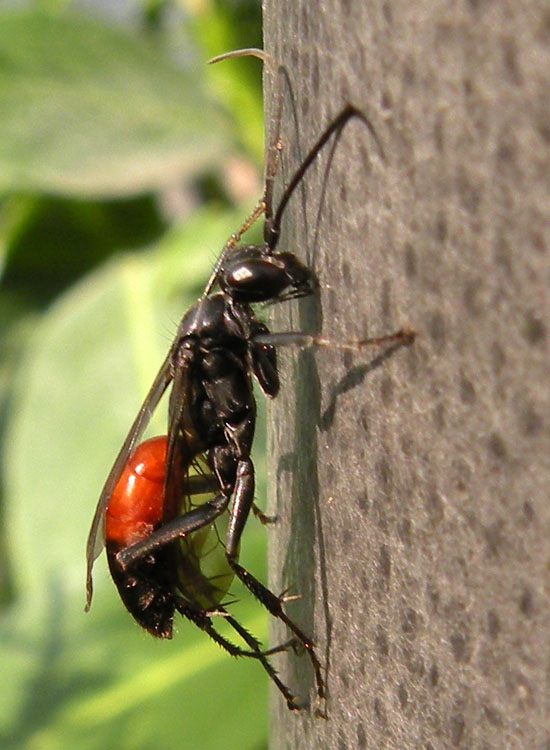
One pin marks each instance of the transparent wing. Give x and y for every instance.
(182, 443)
(96, 537)
(203, 573)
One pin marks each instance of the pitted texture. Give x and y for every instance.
(413, 487)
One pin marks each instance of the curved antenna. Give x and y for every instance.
(246, 52)
(231, 243)
(264, 206)
(273, 227)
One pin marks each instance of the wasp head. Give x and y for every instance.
(252, 273)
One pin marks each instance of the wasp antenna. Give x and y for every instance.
(335, 127)
(232, 243)
(246, 52)
(274, 145)
(259, 54)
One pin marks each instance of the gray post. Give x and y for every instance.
(413, 487)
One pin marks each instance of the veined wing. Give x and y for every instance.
(203, 575)
(96, 537)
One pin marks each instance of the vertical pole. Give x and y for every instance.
(413, 489)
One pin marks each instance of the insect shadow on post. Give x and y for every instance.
(168, 502)
(296, 472)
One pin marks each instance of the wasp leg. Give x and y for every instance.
(273, 605)
(198, 518)
(200, 484)
(306, 340)
(201, 618)
(262, 517)
(250, 640)
(176, 529)
(202, 621)
(263, 361)
(243, 500)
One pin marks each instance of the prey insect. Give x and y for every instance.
(168, 503)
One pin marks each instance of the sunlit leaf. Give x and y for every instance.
(88, 110)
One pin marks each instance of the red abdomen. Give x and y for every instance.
(135, 507)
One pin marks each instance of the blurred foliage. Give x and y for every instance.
(109, 131)
(89, 110)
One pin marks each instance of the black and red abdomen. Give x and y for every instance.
(133, 513)
(135, 507)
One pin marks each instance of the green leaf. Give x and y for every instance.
(52, 241)
(89, 110)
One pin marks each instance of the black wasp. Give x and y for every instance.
(168, 502)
